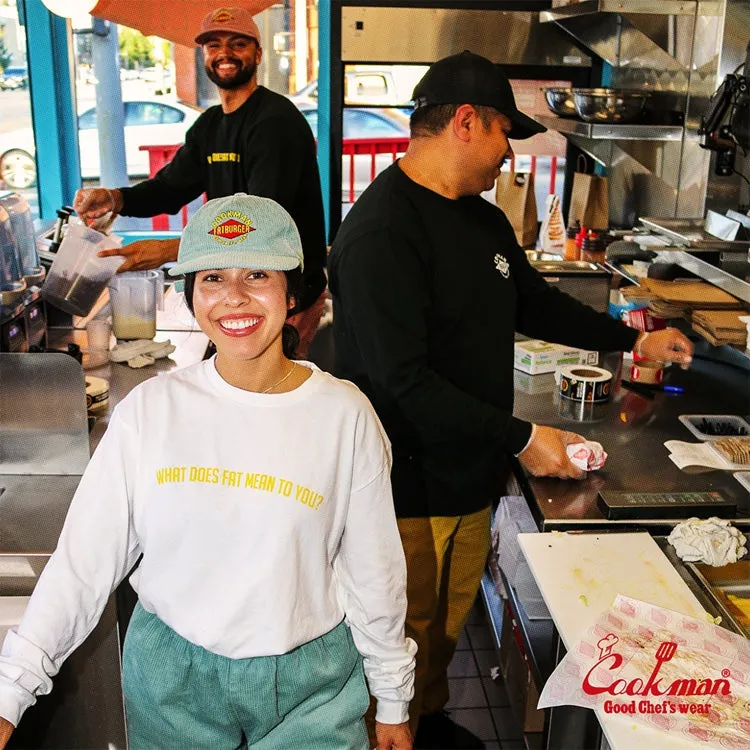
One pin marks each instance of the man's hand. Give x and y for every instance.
(6, 729)
(92, 204)
(393, 736)
(668, 345)
(547, 457)
(144, 254)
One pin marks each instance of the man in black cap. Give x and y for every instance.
(429, 286)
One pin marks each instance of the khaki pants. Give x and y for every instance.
(445, 560)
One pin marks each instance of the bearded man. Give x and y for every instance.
(255, 141)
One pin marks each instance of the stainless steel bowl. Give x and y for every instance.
(560, 101)
(609, 105)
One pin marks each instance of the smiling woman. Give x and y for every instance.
(250, 462)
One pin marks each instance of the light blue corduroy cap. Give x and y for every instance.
(239, 231)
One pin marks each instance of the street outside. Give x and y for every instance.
(15, 114)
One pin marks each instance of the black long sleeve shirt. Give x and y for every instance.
(265, 147)
(428, 293)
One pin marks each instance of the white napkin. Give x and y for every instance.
(141, 353)
(710, 540)
(587, 456)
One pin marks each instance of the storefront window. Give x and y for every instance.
(17, 165)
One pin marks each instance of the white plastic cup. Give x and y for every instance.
(98, 333)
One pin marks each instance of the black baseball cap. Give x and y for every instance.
(467, 78)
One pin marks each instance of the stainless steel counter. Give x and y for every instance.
(632, 428)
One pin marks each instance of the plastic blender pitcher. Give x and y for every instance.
(20, 218)
(78, 276)
(135, 298)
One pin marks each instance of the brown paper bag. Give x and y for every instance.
(589, 201)
(515, 196)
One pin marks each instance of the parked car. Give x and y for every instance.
(147, 122)
(364, 123)
(14, 77)
(387, 86)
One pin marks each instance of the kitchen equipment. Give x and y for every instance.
(715, 426)
(729, 588)
(23, 226)
(692, 233)
(609, 105)
(616, 505)
(78, 276)
(587, 282)
(12, 284)
(560, 100)
(135, 298)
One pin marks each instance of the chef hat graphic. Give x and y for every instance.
(606, 645)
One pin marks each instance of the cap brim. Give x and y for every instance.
(524, 126)
(230, 260)
(206, 34)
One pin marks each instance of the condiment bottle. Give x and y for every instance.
(571, 249)
(579, 240)
(592, 248)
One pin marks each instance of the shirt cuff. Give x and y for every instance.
(392, 712)
(517, 436)
(529, 442)
(13, 702)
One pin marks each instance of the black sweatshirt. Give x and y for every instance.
(265, 147)
(427, 294)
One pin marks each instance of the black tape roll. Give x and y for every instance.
(584, 383)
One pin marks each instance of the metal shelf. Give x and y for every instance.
(662, 8)
(611, 131)
(716, 276)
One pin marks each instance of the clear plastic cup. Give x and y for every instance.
(135, 297)
(78, 276)
(98, 334)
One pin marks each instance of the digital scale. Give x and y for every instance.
(615, 505)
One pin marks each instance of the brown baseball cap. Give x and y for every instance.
(233, 20)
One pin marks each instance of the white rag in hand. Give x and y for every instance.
(710, 540)
(587, 456)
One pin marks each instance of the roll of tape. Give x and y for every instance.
(97, 393)
(585, 383)
(646, 371)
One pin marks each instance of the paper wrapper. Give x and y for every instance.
(643, 636)
(587, 456)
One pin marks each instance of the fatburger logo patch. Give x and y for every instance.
(222, 16)
(231, 227)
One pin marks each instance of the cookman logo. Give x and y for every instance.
(597, 682)
(501, 264)
(222, 15)
(231, 227)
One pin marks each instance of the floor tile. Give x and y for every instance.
(477, 614)
(512, 745)
(506, 725)
(486, 660)
(497, 695)
(480, 637)
(463, 665)
(466, 692)
(463, 642)
(492, 745)
(477, 720)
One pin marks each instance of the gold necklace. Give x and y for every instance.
(276, 385)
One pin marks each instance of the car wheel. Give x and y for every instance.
(17, 169)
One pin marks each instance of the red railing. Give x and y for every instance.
(158, 156)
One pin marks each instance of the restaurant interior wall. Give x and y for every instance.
(379, 33)
(679, 53)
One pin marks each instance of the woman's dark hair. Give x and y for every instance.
(294, 290)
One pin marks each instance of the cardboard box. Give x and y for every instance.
(519, 683)
(539, 357)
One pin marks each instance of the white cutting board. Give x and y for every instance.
(580, 575)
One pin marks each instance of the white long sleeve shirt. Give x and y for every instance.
(263, 521)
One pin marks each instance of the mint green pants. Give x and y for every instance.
(180, 696)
